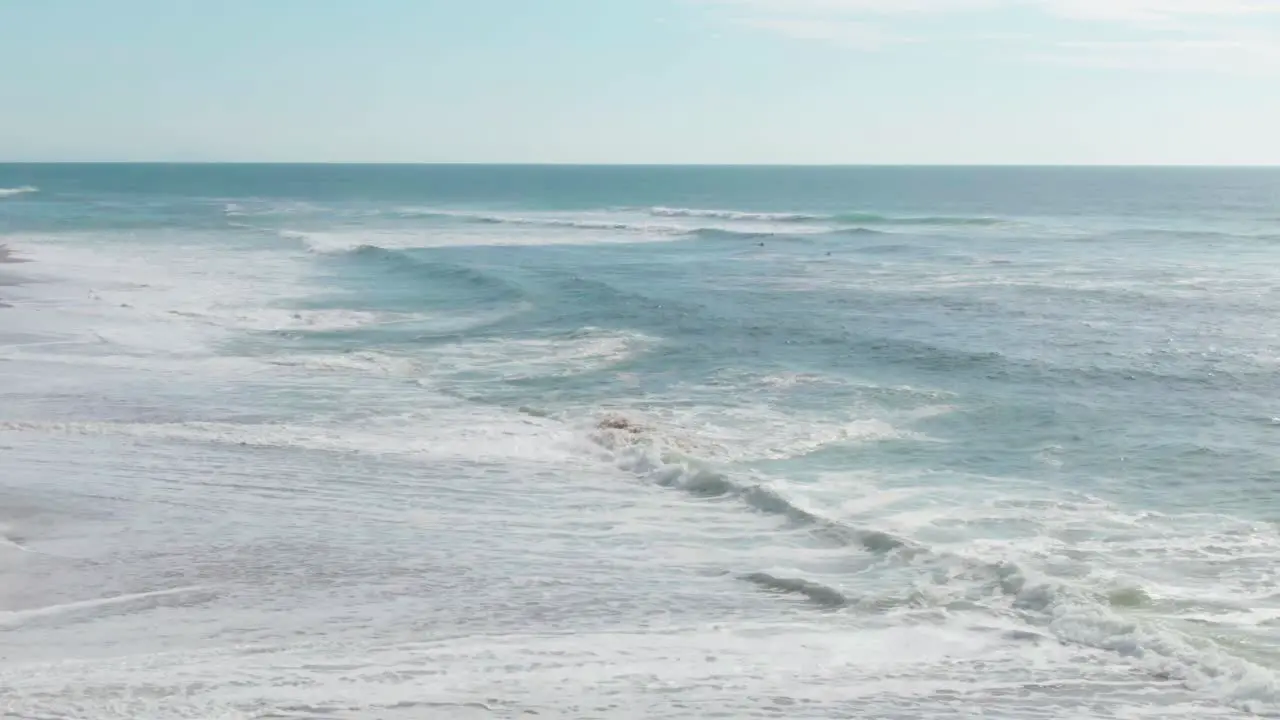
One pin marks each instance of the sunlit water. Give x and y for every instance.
(405, 442)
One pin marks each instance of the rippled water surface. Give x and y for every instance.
(423, 442)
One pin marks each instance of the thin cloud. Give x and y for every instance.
(1103, 10)
(1236, 56)
(1223, 35)
(1156, 11)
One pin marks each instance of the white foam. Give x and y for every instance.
(337, 242)
(730, 215)
(1078, 556)
(17, 617)
(24, 190)
(269, 208)
(752, 432)
(660, 673)
(591, 350)
(338, 587)
(1020, 553)
(157, 293)
(367, 361)
(282, 319)
(589, 220)
(457, 434)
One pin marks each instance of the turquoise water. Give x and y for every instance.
(404, 441)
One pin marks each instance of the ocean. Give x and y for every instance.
(341, 441)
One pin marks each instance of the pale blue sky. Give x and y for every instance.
(650, 81)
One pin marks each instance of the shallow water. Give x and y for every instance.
(401, 442)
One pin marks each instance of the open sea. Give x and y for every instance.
(397, 442)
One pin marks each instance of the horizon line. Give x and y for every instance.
(403, 163)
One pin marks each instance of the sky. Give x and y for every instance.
(642, 81)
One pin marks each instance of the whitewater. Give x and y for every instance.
(592, 442)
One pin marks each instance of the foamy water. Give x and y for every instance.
(502, 442)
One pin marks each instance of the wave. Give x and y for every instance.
(24, 190)
(734, 215)
(580, 224)
(257, 207)
(637, 449)
(730, 234)
(875, 219)
(817, 593)
(856, 218)
(404, 272)
(727, 234)
(1068, 612)
(551, 222)
(862, 218)
(331, 244)
(1186, 234)
(463, 276)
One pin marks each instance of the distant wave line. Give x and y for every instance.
(851, 217)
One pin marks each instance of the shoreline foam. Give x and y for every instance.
(8, 258)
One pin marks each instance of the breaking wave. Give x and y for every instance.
(550, 222)
(729, 216)
(1048, 607)
(862, 218)
(817, 593)
(638, 449)
(732, 215)
(874, 219)
(12, 192)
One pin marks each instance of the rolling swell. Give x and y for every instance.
(726, 234)
(874, 219)
(734, 215)
(861, 218)
(581, 224)
(645, 228)
(731, 234)
(836, 224)
(418, 276)
(547, 222)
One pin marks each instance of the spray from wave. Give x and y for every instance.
(13, 192)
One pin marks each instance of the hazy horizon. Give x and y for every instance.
(411, 163)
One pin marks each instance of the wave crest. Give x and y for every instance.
(859, 218)
(877, 219)
(638, 448)
(816, 593)
(552, 222)
(12, 192)
(733, 215)
(1050, 607)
